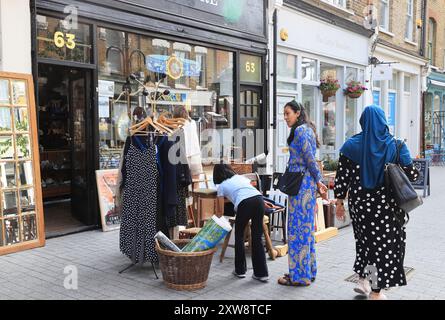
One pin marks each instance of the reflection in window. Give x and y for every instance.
(350, 117)
(308, 100)
(73, 44)
(202, 80)
(309, 69)
(286, 65)
(5, 119)
(7, 175)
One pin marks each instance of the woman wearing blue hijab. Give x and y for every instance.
(376, 219)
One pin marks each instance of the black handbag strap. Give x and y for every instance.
(398, 147)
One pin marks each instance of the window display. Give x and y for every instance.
(20, 201)
(197, 77)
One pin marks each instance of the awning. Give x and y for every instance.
(437, 83)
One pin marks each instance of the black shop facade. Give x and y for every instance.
(89, 61)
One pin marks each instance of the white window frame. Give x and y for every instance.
(337, 3)
(409, 20)
(385, 4)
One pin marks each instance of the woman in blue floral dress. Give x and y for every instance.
(302, 143)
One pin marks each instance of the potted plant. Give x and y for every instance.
(355, 89)
(328, 88)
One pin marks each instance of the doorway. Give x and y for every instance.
(63, 118)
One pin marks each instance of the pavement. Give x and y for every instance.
(42, 273)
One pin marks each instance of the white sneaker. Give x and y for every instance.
(238, 275)
(363, 287)
(377, 296)
(262, 279)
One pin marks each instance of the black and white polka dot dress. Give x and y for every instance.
(380, 238)
(139, 201)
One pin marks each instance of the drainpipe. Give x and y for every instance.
(423, 35)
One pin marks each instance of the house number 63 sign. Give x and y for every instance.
(64, 39)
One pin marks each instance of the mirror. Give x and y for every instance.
(6, 148)
(10, 203)
(19, 93)
(29, 227)
(21, 119)
(25, 173)
(7, 175)
(5, 119)
(12, 231)
(23, 147)
(27, 202)
(4, 92)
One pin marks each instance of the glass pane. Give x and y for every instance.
(21, 119)
(9, 199)
(308, 100)
(19, 92)
(29, 227)
(27, 200)
(286, 65)
(351, 116)
(286, 86)
(6, 147)
(376, 84)
(5, 119)
(392, 84)
(351, 74)
(25, 173)
(12, 231)
(8, 175)
(5, 97)
(328, 126)
(250, 68)
(248, 97)
(407, 84)
(309, 69)
(59, 40)
(23, 146)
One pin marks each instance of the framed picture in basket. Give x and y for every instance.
(106, 189)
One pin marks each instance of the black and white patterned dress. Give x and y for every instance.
(139, 202)
(380, 239)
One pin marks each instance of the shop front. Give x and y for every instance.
(90, 62)
(434, 117)
(400, 96)
(308, 51)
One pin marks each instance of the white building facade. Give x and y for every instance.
(401, 96)
(15, 36)
(314, 49)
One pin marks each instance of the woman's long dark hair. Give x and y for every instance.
(222, 172)
(302, 119)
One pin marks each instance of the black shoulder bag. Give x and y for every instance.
(290, 182)
(401, 188)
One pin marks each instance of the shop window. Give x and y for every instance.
(392, 84)
(407, 84)
(309, 69)
(428, 130)
(384, 14)
(286, 65)
(308, 99)
(286, 86)
(197, 77)
(409, 21)
(57, 39)
(431, 50)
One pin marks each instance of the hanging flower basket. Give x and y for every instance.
(327, 94)
(328, 88)
(355, 89)
(354, 95)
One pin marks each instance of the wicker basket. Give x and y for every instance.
(184, 270)
(354, 95)
(242, 168)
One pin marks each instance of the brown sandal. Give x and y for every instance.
(285, 281)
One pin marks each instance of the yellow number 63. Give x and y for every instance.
(60, 42)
